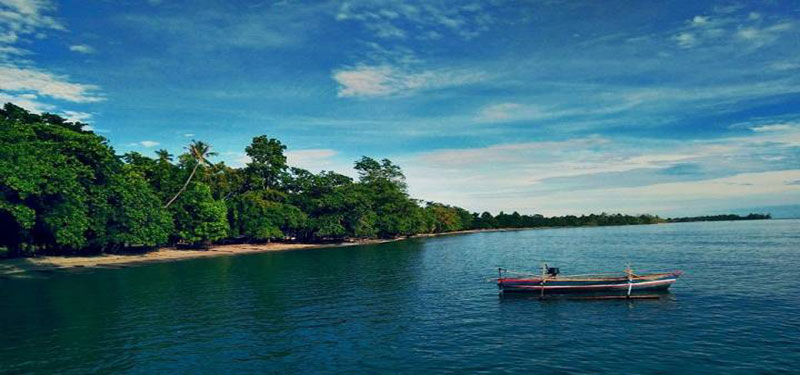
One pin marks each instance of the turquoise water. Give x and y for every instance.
(424, 307)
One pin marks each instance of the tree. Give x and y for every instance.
(371, 171)
(164, 156)
(63, 190)
(137, 218)
(199, 152)
(199, 218)
(258, 217)
(268, 164)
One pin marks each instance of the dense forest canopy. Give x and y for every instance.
(63, 190)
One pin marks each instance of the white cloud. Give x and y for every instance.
(81, 48)
(686, 39)
(27, 101)
(698, 197)
(188, 135)
(502, 111)
(387, 80)
(730, 31)
(9, 51)
(236, 159)
(314, 159)
(785, 65)
(18, 79)
(531, 175)
(77, 116)
(22, 83)
(421, 18)
(772, 127)
(740, 185)
(759, 37)
(699, 20)
(22, 17)
(531, 112)
(147, 144)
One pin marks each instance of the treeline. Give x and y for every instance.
(729, 217)
(63, 190)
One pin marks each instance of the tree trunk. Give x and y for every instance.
(185, 184)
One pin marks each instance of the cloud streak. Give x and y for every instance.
(511, 176)
(17, 79)
(21, 82)
(387, 80)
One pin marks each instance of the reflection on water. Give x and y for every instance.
(422, 306)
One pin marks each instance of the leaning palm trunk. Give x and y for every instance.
(185, 184)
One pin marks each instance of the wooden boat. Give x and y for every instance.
(550, 282)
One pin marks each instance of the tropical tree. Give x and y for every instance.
(199, 218)
(268, 163)
(199, 151)
(259, 217)
(164, 156)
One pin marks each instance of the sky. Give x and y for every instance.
(552, 107)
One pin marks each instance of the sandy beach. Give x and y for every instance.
(21, 266)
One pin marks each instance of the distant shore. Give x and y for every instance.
(45, 264)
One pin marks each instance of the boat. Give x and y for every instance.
(550, 282)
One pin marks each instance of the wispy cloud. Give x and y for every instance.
(146, 144)
(81, 48)
(22, 17)
(387, 80)
(18, 79)
(502, 111)
(730, 30)
(77, 116)
(27, 101)
(426, 18)
(316, 160)
(276, 25)
(761, 36)
(510, 176)
(772, 127)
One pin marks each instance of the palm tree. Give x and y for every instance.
(200, 152)
(164, 155)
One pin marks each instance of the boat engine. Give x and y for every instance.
(553, 271)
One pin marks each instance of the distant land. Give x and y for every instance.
(728, 217)
(789, 211)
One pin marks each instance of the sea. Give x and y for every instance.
(423, 306)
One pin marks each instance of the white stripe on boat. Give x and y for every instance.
(645, 283)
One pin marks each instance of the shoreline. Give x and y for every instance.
(22, 267)
(16, 267)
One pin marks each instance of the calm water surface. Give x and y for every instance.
(424, 307)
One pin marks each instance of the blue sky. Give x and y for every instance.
(553, 107)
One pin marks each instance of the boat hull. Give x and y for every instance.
(570, 285)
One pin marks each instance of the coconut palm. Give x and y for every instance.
(200, 152)
(164, 155)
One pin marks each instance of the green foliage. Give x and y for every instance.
(63, 190)
(445, 218)
(257, 217)
(371, 171)
(268, 163)
(138, 218)
(199, 218)
(60, 190)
